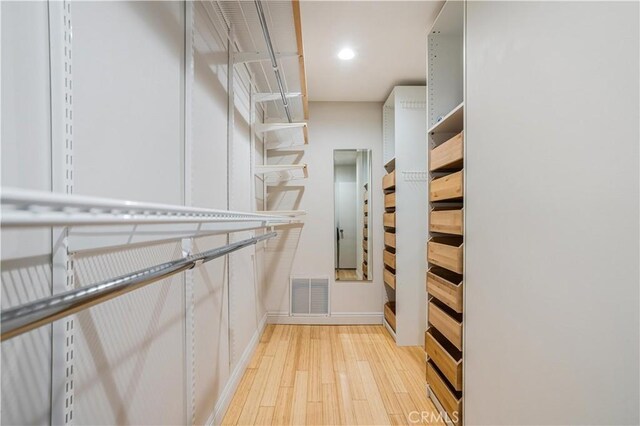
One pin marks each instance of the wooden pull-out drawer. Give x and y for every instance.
(446, 221)
(446, 286)
(449, 324)
(389, 181)
(390, 239)
(364, 268)
(366, 209)
(389, 220)
(449, 187)
(389, 259)
(390, 201)
(390, 278)
(446, 356)
(366, 220)
(448, 155)
(390, 314)
(450, 399)
(446, 252)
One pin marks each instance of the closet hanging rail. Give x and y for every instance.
(272, 56)
(26, 208)
(26, 317)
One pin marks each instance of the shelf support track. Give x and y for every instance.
(272, 55)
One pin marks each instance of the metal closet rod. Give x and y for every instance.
(23, 318)
(272, 55)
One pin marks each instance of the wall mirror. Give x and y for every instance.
(352, 203)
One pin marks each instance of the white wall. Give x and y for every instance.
(26, 255)
(551, 279)
(309, 251)
(134, 356)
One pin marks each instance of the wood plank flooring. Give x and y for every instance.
(331, 375)
(347, 275)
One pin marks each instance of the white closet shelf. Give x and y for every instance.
(266, 97)
(450, 123)
(284, 135)
(274, 127)
(275, 173)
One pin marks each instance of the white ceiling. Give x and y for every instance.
(389, 38)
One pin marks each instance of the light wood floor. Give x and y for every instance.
(329, 375)
(347, 275)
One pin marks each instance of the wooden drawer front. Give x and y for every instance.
(389, 278)
(450, 327)
(446, 221)
(390, 200)
(389, 181)
(389, 259)
(448, 187)
(446, 357)
(445, 286)
(364, 268)
(366, 209)
(365, 246)
(448, 155)
(451, 402)
(390, 239)
(390, 314)
(445, 252)
(389, 220)
(366, 221)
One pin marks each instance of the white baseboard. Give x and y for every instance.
(336, 318)
(235, 377)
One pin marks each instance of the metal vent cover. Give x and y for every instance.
(309, 296)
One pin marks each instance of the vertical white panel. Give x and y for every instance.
(128, 95)
(128, 120)
(209, 175)
(551, 305)
(26, 163)
(411, 205)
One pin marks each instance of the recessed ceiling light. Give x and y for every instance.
(346, 54)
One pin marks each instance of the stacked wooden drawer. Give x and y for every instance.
(443, 339)
(389, 254)
(365, 235)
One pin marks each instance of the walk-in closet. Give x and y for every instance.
(310, 212)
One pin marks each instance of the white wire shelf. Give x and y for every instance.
(288, 213)
(275, 173)
(451, 123)
(26, 208)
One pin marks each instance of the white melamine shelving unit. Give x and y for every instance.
(404, 152)
(446, 192)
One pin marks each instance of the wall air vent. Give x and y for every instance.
(309, 296)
